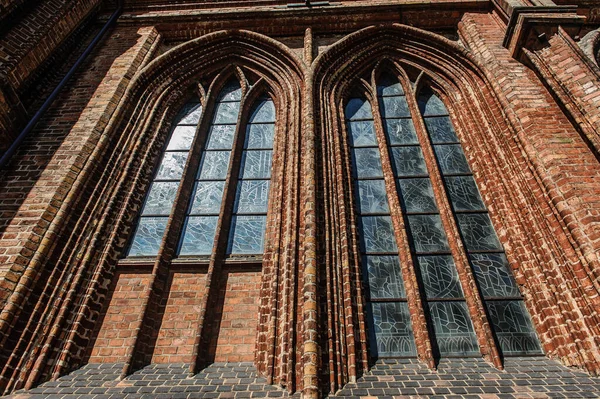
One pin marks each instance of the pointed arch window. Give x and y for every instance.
(204, 152)
(389, 166)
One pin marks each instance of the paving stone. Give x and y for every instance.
(455, 378)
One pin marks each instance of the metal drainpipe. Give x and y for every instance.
(31, 124)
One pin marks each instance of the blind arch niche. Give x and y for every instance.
(399, 143)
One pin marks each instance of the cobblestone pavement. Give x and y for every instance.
(455, 378)
(473, 378)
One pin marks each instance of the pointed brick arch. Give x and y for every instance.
(91, 239)
(508, 175)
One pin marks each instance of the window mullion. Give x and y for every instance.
(226, 212)
(413, 298)
(204, 326)
(472, 295)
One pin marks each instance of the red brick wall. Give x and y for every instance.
(234, 322)
(575, 80)
(71, 176)
(564, 186)
(180, 319)
(42, 175)
(46, 180)
(115, 336)
(240, 296)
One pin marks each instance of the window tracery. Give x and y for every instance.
(217, 177)
(441, 290)
(230, 196)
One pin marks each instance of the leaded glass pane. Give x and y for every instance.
(256, 164)
(464, 195)
(372, 197)
(440, 130)
(394, 107)
(427, 233)
(190, 114)
(453, 329)
(226, 112)
(513, 328)
(478, 232)
(430, 104)
(417, 195)
(385, 279)
(171, 167)
(358, 108)
(182, 138)
(362, 133)
(148, 236)
(494, 276)
(378, 234)
(220, 137)
(260, 135)
(231, 92)
(439, 277)
(252, 196)
(451, 159)
(393, 331)
(367, 162)
(160, 198)
(214, 165)
(400, 131)
(207, 197)
(389, 86)
(199, 235)
(264, 112)
(408, 161)
(247, 235)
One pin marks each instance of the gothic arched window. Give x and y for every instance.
(389, 140)
(229, 191)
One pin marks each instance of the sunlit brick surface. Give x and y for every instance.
(125, 308)
(240, 295)
(178, 328)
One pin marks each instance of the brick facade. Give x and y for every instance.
(522, 86)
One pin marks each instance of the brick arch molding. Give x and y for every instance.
(49, 318)
(542, 251)
(73, 269)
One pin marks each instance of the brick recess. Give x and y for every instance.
(236, 337)
(30, 41)
(118, 318)
(176, 334)
(575, 80)
(29, 37)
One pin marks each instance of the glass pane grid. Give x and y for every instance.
(202, 215)
(161, 195)
(391, 331)
(248, 224)
(509, 319)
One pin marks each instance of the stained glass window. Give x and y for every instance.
(452, 327)
(161, 196)
(203, 213)
(391, 331)
(205, 205)
(507, 313)
(250, 207)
